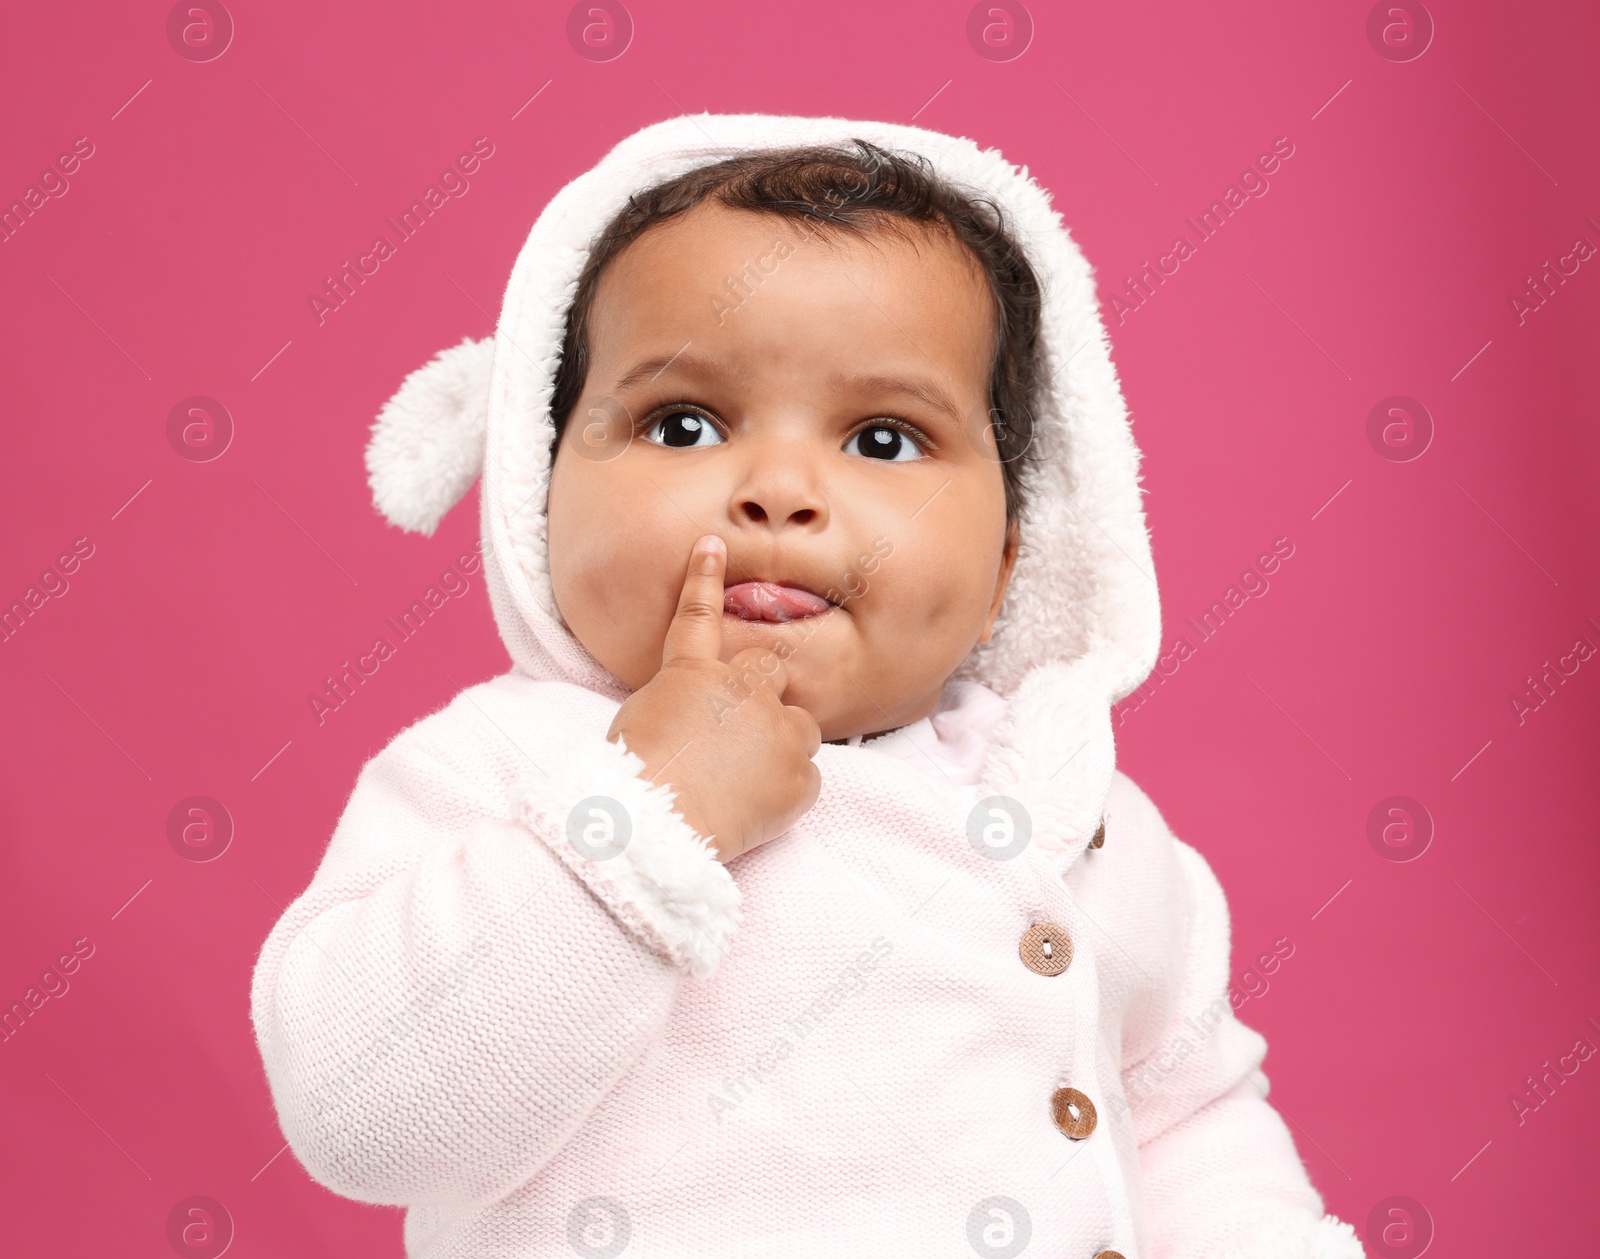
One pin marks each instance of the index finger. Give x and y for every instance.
(696, 629)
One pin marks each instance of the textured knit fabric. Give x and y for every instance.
(522, 999)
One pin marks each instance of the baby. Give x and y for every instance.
(783, 899)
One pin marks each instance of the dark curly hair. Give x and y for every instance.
(852, 191)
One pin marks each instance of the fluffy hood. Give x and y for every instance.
(1081, 615)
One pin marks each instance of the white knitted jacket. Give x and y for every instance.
(522, 999)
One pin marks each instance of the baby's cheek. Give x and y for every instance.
(636, 588)
(925, 603)
(610, 587)
(953, 619)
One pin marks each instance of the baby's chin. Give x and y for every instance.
(816, 653)
(835, 673)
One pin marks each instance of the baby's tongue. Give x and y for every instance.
(768, 601)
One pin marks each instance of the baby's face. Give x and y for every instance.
(831, 425)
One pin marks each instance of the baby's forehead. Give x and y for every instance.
(736, 278)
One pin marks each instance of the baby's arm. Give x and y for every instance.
(458, 988)
(1221, 1176)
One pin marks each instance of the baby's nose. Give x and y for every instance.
(780, 490)
(757, 513)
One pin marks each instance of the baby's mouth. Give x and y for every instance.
(768, 601)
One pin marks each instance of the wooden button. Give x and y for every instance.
(1099, 841)
(1046, 949)
(1073, 1113)
(1108, 1254)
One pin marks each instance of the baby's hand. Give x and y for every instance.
(736, 756)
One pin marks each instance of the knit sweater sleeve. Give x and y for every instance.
(1221, 1176)
(472, 968)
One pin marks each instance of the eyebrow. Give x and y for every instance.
(928, 394)
(652, 367)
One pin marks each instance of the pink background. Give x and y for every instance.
(1420, 595)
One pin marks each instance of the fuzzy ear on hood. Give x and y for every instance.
(1080, 625)
(427, 442)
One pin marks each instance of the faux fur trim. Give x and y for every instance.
(1054, 754)
(665, 883)
(1302, 1237)
(427, 442)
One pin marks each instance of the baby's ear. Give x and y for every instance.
(427, 442)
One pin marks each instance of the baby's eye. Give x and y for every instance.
(885, 441)
(683, 428)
